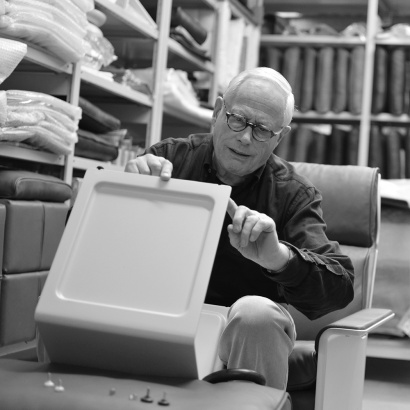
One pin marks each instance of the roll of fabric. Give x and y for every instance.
(356, 79)
(303, 139)
(274, 58)
(180, 17)
(352, 146)
(393, 158)
(376, 149)
(317, 148)
(339, 102)
(396, 80)
(324, 80)
(380, 80)
(308, 79)
(406, 145)
(291, 70)
(335, 147)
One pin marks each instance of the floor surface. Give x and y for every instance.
(387, 385)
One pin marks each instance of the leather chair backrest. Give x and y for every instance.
(351, 210)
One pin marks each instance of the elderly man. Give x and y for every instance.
(273, 249)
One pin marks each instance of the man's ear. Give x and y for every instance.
(217, 109)
(283, 133)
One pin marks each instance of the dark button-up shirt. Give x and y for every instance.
(317, 280)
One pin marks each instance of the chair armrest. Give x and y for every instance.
(341, 353)
(359, 323)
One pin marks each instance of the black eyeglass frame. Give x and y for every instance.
(249, 124)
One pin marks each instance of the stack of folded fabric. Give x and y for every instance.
(39, 121)
(99, 52)
(58, 26)
(189, 32)
(100, 133)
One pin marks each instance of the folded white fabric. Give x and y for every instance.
(58, 27)
(39, 120)
(12, 52)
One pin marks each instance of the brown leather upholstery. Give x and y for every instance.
(32, 220)
(351, 211)
(18, 299)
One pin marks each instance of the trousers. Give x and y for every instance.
(260, 335)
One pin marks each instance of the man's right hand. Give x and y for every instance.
(150, 164)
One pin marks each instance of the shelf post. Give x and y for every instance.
(160, 59)
(363, 150)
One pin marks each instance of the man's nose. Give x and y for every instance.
(245, 136)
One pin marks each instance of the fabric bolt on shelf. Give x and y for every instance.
(87, 389)
(335, 147)
(303, 139)
(291, 70)
(186, 43)
(356, 80)
(324, 80)
(317, 148)
(376, 149)
(393, 157)
(95, 119)
(18, 300)
(94, 147)
(380, 80)
(396, 80)
(406, 146)
(308, 79)
(182, 18)
(339, 102)
(352, 146)
(274, 57)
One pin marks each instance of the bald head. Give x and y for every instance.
(274, 78)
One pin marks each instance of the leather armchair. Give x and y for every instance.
(328, 363)
(326, 368)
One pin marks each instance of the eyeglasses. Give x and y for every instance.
(238, 123)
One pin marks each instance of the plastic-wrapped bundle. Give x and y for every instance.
(99, 51)
(12, 52)
(56, 26)
(39, 120)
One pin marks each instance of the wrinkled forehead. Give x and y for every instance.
(263, 94)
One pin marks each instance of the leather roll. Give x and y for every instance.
(406, 144)
(308, 79)
(303, 140)
(335, 147)
(94, 119)
(317, 150)
(397, 80)
(291, 70)
(352, 146)
(274, 58)
(376, 149)
(324, 80)
(393, 160)
(180, 17)
(356, 79)
(339, 103)
(379, 96)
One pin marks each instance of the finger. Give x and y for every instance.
(154, 165)
(232, 207)
(248, 230)
(166, 170)
(131, 166)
